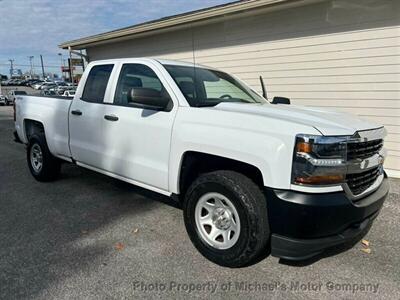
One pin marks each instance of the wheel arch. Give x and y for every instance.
(194, 163)
(31, 127)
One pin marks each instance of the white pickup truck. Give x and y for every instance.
(254, 177)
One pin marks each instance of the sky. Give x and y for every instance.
(34, 27)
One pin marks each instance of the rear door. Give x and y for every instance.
(86, 117)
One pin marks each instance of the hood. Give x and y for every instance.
(326, 122)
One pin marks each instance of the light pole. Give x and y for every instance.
(41, 61)
(11, 67)
(31, 63)
(62, 64)
(70, 65)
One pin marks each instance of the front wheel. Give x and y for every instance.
(226, 218)
(42, 164)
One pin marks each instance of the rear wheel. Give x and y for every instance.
(42, 164)
(226, 218)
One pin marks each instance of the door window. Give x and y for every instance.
(140, 78)
(96, 83)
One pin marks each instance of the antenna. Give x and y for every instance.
(264, 91)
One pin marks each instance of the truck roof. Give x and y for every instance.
(161, 61)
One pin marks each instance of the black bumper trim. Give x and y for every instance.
(302, 249)
(304, 224)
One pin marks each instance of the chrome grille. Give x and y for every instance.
(363, 149)
(359, 182)
(365, 156)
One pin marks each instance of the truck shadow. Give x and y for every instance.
(124, 187)
(52, 232)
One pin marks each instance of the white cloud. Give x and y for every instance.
(34, 27)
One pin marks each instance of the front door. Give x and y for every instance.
(138, 139)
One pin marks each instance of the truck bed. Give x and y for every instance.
(50, 111)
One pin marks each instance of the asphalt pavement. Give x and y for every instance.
(87, 236)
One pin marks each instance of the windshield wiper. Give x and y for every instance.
(205, 104)
(232, 100)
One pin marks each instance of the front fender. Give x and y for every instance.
(265, 143)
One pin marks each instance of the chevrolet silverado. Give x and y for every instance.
(254, 177)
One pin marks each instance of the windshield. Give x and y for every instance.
(205, 87)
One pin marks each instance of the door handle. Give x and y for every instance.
(76, 112)
(111, 118)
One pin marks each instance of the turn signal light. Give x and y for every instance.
(304, 147)
(320, 180)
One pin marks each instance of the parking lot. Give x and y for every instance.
(89, 236)
(5, 90)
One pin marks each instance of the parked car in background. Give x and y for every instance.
(6, 82)
(48, 93)
(47, 85)
(29, 82)
(13, 82)
(4, 100)
(19, 82)
(13, 94)
(36, 83)
(61, 89)
(70, 93)
(10, 82)
(60, 83)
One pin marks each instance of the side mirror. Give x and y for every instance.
(148, 99)
(280, 100)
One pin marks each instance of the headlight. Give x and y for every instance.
(319, 160)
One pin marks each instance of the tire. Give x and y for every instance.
(249, 205)
(50, 165)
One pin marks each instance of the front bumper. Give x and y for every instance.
(304, 224)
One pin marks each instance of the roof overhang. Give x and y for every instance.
(180, 21)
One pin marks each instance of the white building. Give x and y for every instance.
(341, 54)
